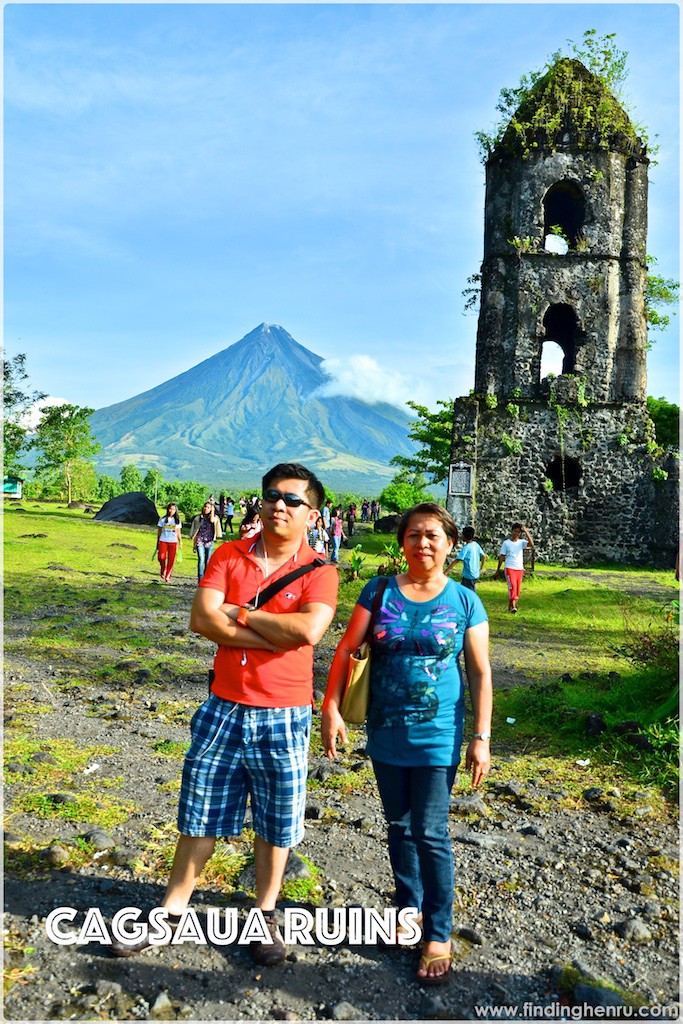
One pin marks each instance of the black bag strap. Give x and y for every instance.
(277, 585)
(376, 602)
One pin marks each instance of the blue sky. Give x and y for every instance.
(177, 174)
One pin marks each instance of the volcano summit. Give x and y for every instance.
(253, 404)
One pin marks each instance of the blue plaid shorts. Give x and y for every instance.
(239, 751)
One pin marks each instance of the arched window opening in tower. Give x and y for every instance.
(564, 209)
(564, 473)
(561, 326)
(552, 358)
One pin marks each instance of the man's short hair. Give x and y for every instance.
(295, 471)
(428, 508)
(516, 526)
(468, 533)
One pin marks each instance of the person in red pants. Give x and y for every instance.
(169, 540)
(512, 553)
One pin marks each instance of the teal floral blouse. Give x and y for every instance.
(417, 698)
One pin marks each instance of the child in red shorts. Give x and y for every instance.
(512, 553)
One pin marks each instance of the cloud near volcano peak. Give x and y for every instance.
(361, 377)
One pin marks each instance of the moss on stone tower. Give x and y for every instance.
(571, 106)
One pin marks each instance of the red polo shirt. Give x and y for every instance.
(262, 678)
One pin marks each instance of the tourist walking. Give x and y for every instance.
(472, 558)
(318, 538)
(337, 534)
(351, 519)
(169, 540)
(229, 514)
(204, 531)
(420, 624)
(512, 553)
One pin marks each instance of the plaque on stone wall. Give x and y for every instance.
(460, 478)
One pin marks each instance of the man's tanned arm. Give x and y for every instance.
(207, 619)
(288, 630)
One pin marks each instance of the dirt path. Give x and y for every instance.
(544, 879)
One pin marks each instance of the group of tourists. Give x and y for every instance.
(325, 537)
(265, 600)
(370, 511)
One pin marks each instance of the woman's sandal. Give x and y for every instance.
(435, 979)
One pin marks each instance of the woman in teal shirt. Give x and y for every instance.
(415, 722)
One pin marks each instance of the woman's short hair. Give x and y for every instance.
(428, 508)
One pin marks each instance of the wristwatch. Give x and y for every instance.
(475, 736)
(242, 617)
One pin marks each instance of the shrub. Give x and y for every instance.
(512, 445)
(395, 562)
(357, 559)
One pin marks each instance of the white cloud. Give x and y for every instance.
(360, 376)
(31, 417)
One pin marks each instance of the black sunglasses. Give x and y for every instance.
(290, 500)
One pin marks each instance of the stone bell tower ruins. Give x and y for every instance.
(572, 455)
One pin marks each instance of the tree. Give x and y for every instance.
(84, 481)
(405, 490)
(666, 418)
(660, 292)
(131, 479)
(151, 483)
(107, 487)
(191, 497)
(432, 431)
(63, 438)
(16, 401)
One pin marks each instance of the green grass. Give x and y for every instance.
(95, 810)
(108, 606)
(69, 756)
(34, 793)
(83, 545)
(221, 871)
(171, 748)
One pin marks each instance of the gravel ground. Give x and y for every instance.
(542, 882)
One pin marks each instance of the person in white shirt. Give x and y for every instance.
(512, 553)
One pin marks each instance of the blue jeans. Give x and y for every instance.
(469, 583)
(416, 802)
(336, 544)
(203, 556)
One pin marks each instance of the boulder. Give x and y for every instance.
(595, 724)
(134, 507)
(387, 524)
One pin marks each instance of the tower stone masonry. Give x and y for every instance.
(572, 455)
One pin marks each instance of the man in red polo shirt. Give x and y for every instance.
(251, 736)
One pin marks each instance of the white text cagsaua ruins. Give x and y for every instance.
(329, 926)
